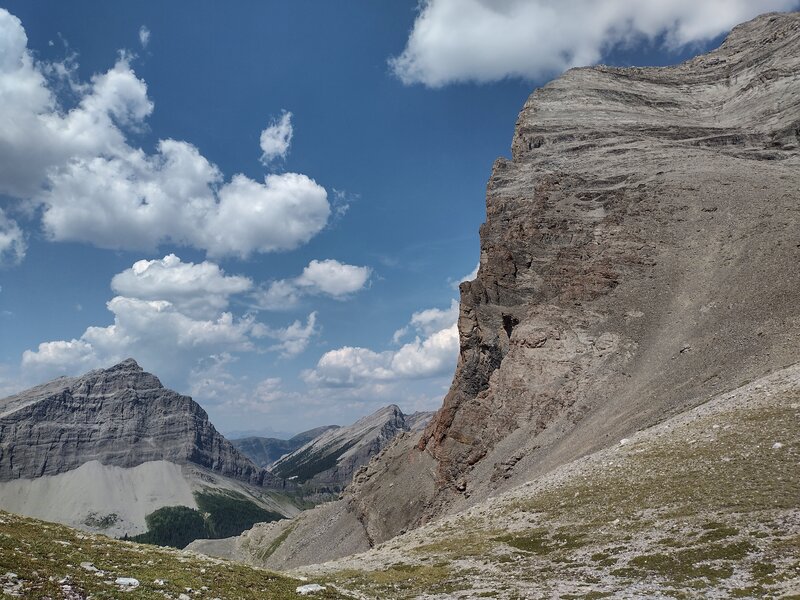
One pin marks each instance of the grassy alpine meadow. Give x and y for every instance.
(46, 560)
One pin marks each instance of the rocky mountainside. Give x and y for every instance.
(119, 416)
(329, 461)
(641, 254)
(264, 451)
(105, 450)
(703, 505)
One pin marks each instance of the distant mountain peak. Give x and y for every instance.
(331, 459)
(120, 416)
(128, 363)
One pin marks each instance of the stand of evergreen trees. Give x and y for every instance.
(220, 515)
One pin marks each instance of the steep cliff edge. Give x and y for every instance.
(641, 254)
(640, 247)
(122, 417)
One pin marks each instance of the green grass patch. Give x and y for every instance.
(753, 591)
(276, 543)
(541, 542)
(44, 554)
(402, 581)
(712, 562)
(456, 547)
(717, 531)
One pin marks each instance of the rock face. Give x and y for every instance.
(327, 463)
(641, 246)
(120, 417)
(264, 451)
(641, 254)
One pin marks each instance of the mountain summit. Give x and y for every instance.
(121, 416)
(106, 450)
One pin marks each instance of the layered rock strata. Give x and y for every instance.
(122, 417)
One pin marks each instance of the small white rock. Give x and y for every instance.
(777, 446)
(127, 582)
(184, 597)
(310, 588)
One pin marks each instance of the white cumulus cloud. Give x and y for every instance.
(94, 186)
(433, 352)
(487, 40)
(144, 36)
(425, 357)
(429, 321)
(153, 331)
(328, 277)
(194, 289)
(170, 315)
(291, 340)
(276, 138)
(60, 358)
(332, 277)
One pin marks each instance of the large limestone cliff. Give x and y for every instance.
(122, 417)
(640, 246)
(641, 254)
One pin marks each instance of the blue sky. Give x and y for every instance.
(154, 204)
